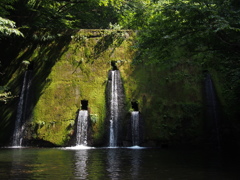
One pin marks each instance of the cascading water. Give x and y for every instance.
(114, 109)
(116, 106)
(82, 128)
(135, 128)
(212, 110)
(19, 123)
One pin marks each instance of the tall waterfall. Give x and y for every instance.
(135, 128)
(22, 105)
(212, 110)
(82, 128)
(116, 103)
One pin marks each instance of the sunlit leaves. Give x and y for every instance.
(135, 14)
(7, 27)
(114, 3)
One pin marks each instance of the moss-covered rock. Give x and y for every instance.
(74, 66)
(80, 73)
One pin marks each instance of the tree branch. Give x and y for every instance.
(69, 2)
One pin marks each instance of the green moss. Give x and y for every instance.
(78, 74)
(164, 95)
(66, 72)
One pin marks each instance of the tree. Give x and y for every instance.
(63, 14)
(192, 29)
(8, 27)
(204, 33)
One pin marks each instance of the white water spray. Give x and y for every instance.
(19, 124)
(135, 127)
(82, 128)
(115, 75)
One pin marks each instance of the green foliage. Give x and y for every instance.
(135, 14)
(5, 7)
(190, 28)
(62, 14)
(5, 95)
(8, 27)
(200, 33)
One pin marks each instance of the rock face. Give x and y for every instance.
(75, 67)
(79, 73)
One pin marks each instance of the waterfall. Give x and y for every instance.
(115, 107)
(212, 109)
(135, 128)
(82, 128)
(21, 110)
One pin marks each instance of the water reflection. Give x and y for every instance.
(81, 157)
(97, 164)
(116, 164)
(17, 166)
(135, 163)
(113, 163)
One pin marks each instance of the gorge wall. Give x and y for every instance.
(70, 67)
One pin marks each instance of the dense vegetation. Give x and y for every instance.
(194, 34)
(200, 32)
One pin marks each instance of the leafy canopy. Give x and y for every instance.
(204, 29)
(7, 27)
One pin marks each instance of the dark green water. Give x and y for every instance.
(116, 164)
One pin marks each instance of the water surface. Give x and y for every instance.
(116, 163)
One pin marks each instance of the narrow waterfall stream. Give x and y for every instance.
(116, 94)
(135, 128)
(21, 108)
(114, 109)
(82, 128)
(212, 110)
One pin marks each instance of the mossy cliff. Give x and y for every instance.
(72, 67)
(79, 74)
(170, 102)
